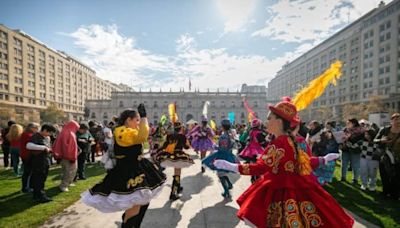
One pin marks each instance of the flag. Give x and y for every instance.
(213, 125)
(231, 117)
(173, 116)
(317, 86)
(190, 85)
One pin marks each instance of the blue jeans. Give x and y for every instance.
(354, 159)
(15, 159)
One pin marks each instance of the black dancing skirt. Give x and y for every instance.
(177, 159)
(126, 185)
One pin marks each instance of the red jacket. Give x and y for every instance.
(65, 146)
(23, 152)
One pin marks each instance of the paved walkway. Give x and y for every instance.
(200, 206)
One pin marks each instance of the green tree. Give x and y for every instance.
(52, 114)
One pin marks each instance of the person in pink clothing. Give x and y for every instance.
(254, 146)
(65, 148)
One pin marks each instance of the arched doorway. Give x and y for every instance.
(189, 117)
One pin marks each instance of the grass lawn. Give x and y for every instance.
(18, 209)
(370, 206)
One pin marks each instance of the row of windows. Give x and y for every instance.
(189, 104)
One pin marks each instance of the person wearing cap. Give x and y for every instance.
(254, 146)
(202, 138)
(223, 151)
(171, 154)
(287, 194)
(388, 139)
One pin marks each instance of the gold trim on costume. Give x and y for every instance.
(133, 182)
(289, 166)
(287, 214)
(272, 157)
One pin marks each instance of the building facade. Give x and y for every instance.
(33, 76)
(189, 104)
(369, 50)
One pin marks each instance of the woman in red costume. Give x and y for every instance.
(286, 194)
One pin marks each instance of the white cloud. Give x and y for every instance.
(235, 13)
(117, 58)
(311, 20)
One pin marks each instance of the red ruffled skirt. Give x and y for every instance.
(291, 201)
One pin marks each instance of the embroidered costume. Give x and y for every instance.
(282, 197)
(133, 181)
(255, 141)
(224, 152)
(202, 137)
(171, 153)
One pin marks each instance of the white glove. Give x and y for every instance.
(222, 164)
(330, 157)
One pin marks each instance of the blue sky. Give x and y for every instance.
(161, 44)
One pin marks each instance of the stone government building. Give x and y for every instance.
(189, 104)
(369, 50)
(33, 76)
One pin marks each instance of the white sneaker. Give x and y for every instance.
(363, 187)
(372, 189)
(64, 189)
(72, 185)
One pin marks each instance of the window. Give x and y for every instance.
(30, 48)
(18, 89)
(18, 70)
(4, 66)
(3, 76)
(3, 56)
(18, 80)
(381, 27)
(4, 86)
(31, 84)
(3, 45)
(18, 52)
(3, 35)
(388, 36)
(388, 24)
(17, 42)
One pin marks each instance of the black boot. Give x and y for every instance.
(230, 186)
(225, 185)
(174, 188)
(130, 223)
(141, 214)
